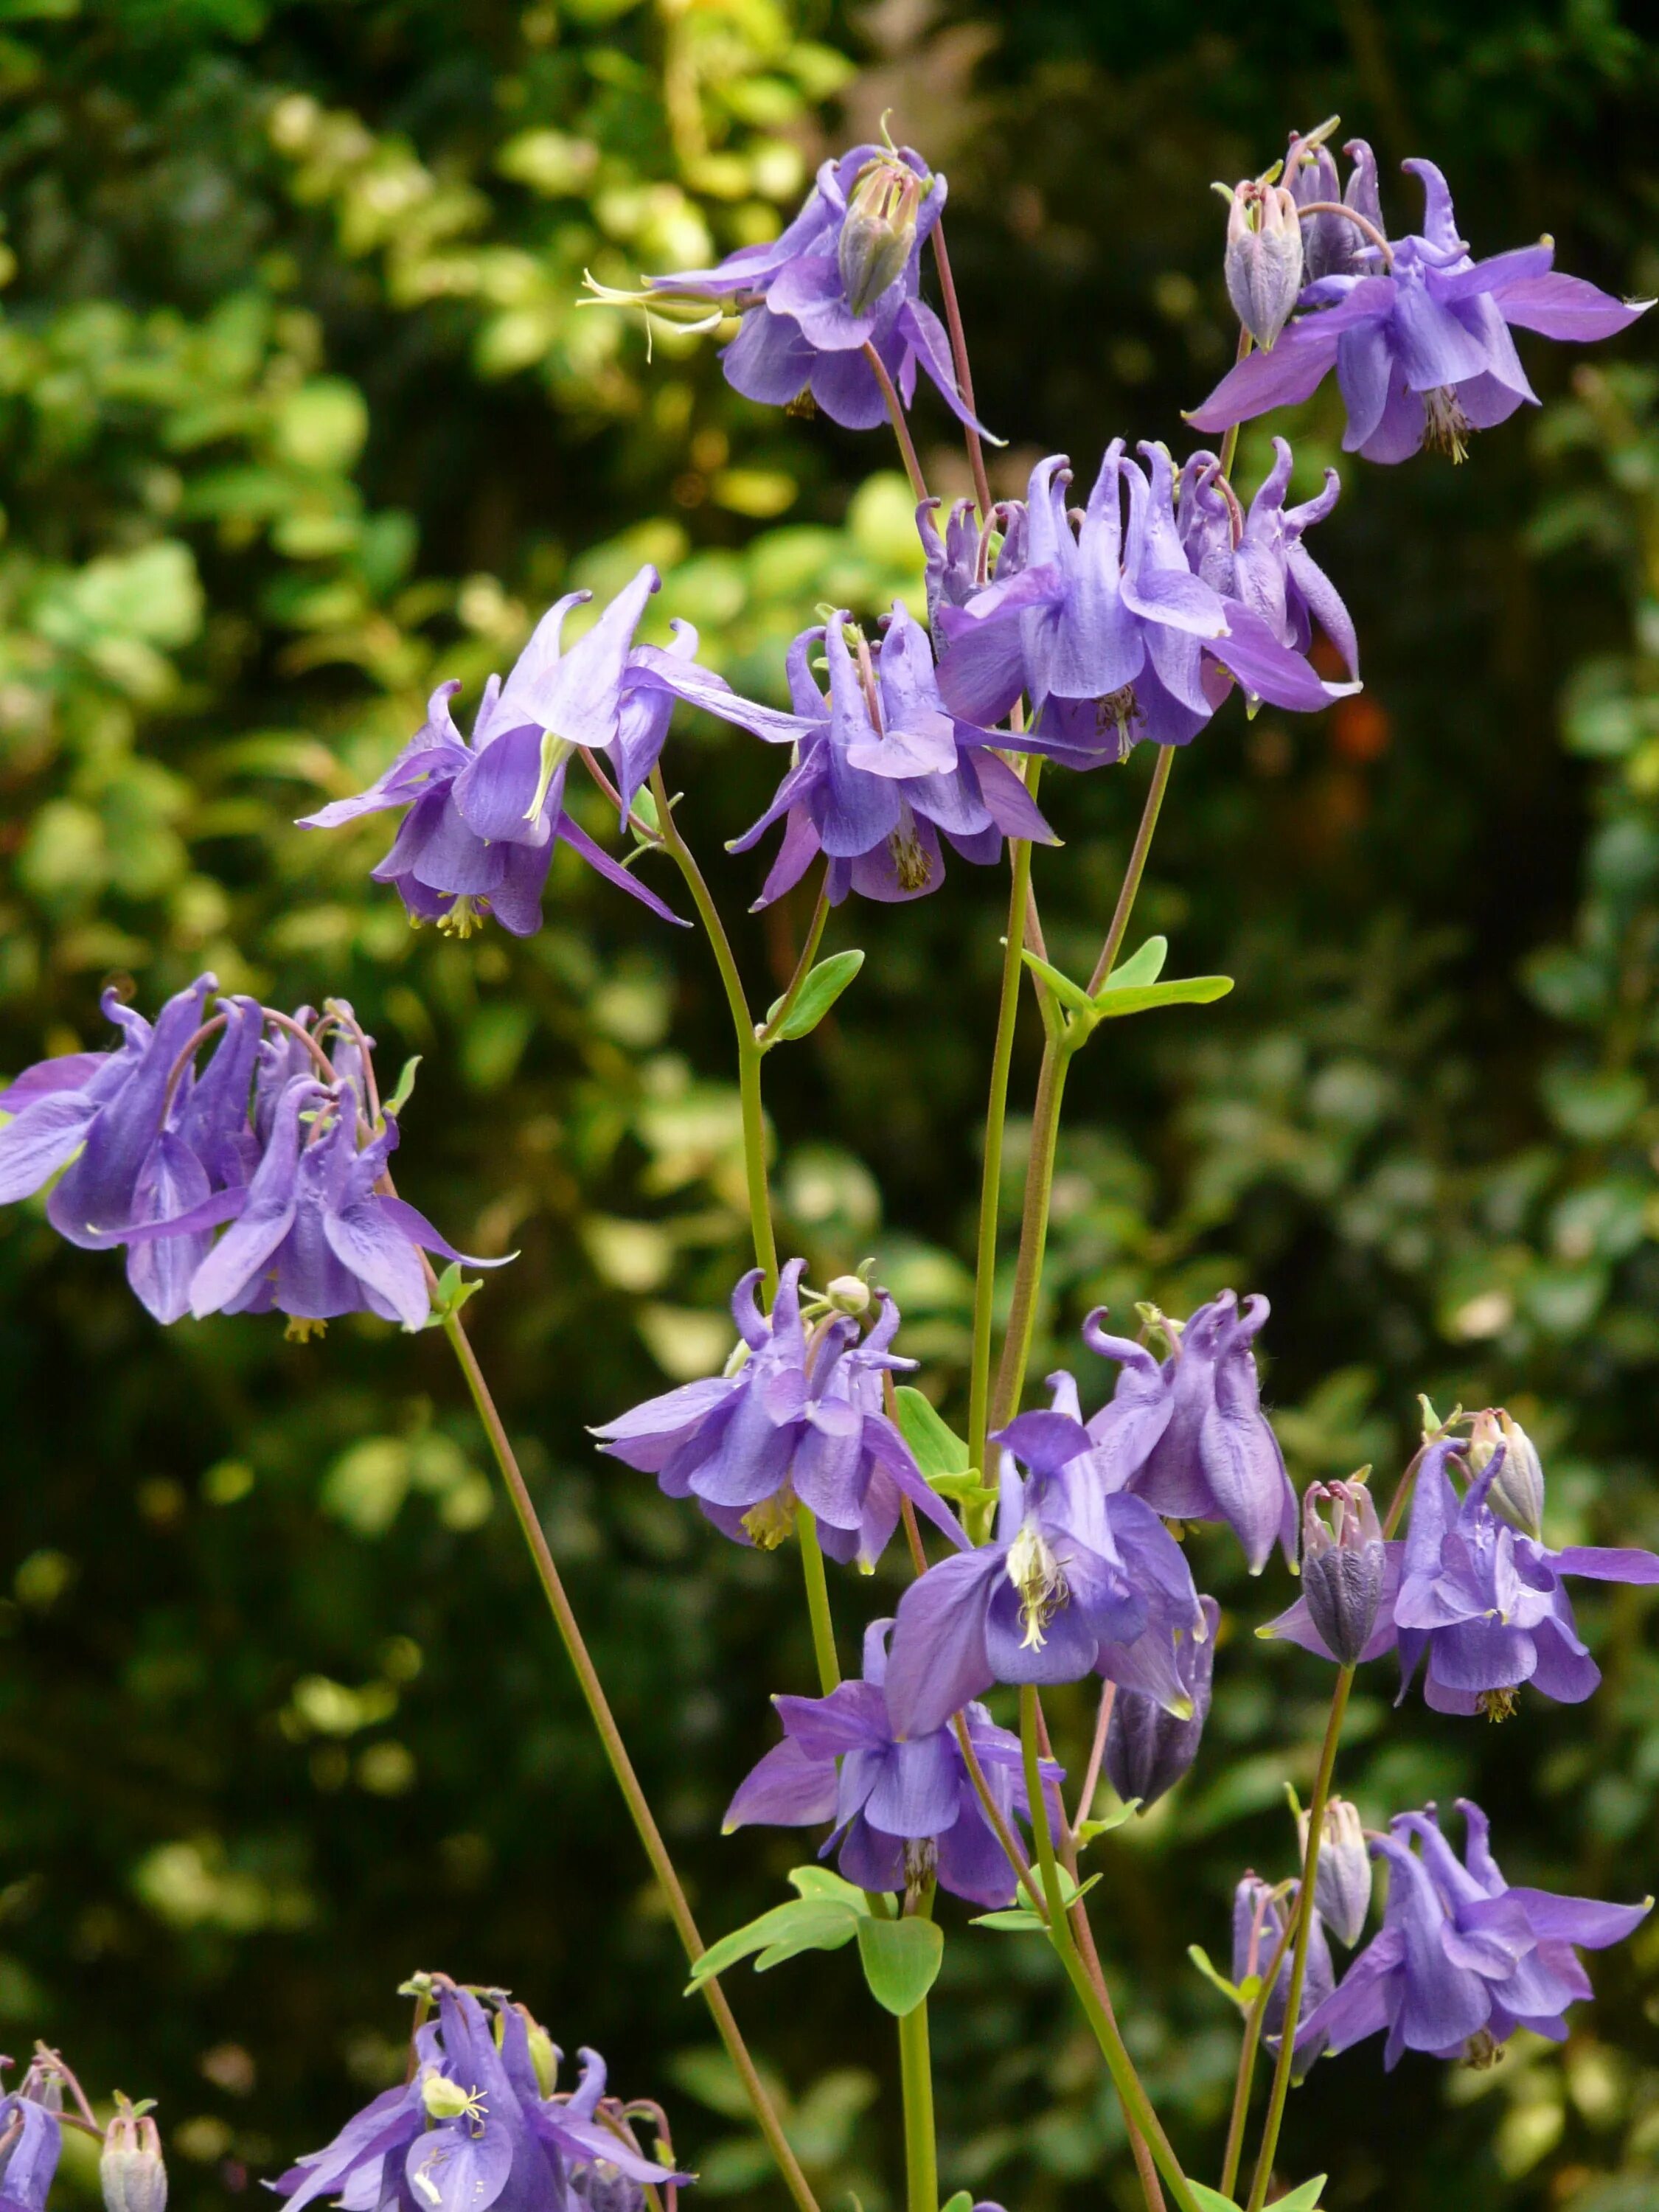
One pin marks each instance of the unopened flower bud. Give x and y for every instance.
(131, 2172)
(1342, 1567)
(1264, 258)
(1516, 1494)
(1342, 1881)
(1148, 1748)
(544, 2057)
(849, 1294)
(879, 230)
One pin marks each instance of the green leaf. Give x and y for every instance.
(1016, 1918)
(901, 1960)
(401, 1096)
(1091, 1829)
(805, 1924)
(963, 1489)
(1305, 2199)
(451, 1295)
(936, 1447)
(1115, 1000)
(823, 987)
(1143, 967)
(1068, 993)
(961, 2202)
(1211, 2200)
(1230, 1990)
(817, 1881)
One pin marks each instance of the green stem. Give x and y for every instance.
(622, 1766)
(749, 1048)
(1136, 2104)
(1305, 1920)
(1230, 439)
(809, 953)
(907, 445)
(1248, 2050)
(1162, 769)
(817, 1600)
(916, 2087)
(1034, 1226)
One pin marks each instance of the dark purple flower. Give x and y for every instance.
(1343, 1565)
(1188, 1434)
(873, 791)
(1258, 1929)
(1148, 1748)
(1418, 333)
(1078, 1581)
(1462, 1960)
(845, 272)
(1113, 636)
(473, 2126)
(485, 818)
(903, 1808)
(796, 1418)
(31, 2137)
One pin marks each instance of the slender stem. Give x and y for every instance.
(1085, 1800)
(1034, 1227)
(749, 1051)
(1305, 1920)
(1361, 223)
(916, 2087)
(1247, 2049)
(817, 1600)
(1119, 2065)
(622, 1766)
(809, 953)
(964, 375)
(901, 429)
(996, 1116)
(1162, 769)
(1229, 441)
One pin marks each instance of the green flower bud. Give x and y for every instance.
(879, 230)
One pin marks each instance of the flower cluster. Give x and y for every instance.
(281, 1136)
(132, 2172)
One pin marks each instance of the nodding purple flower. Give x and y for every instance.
(795, 1419)
(1342, 1567)
(1259, 1912)
(1111, 632)
(1148, 1748)
(1188, 1434)
(476, 2123)
(847, 272)
(904, 1809)
(1416, 331)
(881, 769)
(485, 817)
(1342, 1881)
(31, 2136)
(1078, 1581)
(1462, 1960)
(1263, 263)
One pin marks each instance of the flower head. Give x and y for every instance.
(485, 817)
(1264, 258)
(31, 2135)
(1342, 1881)
(1148, 1748)
(1342, 1566)
(795, 1419)
(1258, 1930)
(1462, 1960)
(903, 1808)
(1416, 329)
(131, 2172)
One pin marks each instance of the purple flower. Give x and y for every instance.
(846, 273)
(485, 817)
(1258, 1929)
(31, 2137)
(796, 1418)
(1418, 333)
(881, 769)
(475, 2124)
(1148, 1748)
(1188, 1434)
(1462, 1960)
(1113, 636)
(1343, 1565)
(903, 1808)
(1078, 1581)
(1264, 564)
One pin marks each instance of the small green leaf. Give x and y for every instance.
(963, 1489)
(961, 2202)
(1234, 1995)
(819, 1882)
(805, 1924)
(1143, 967)
(400, 1097)
(936, 1447)
(1091, 1829)
(1305, 2199)
(451, 1295)
(1017, 1918)
(1068, 993)
(1211, 2200)
(823, 987)
(1139, 999)
(901, 1960)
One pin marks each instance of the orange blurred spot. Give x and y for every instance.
(1360, 729)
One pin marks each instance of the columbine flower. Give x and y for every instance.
(1113, 636)
(1258, 1928)
(1263, 263)
(1077, 1581)
(1189, 1435)
(1416, 331)
(1462, 1960)
(847, 272)
(796, 1418)
(31, 2136)
(881, 769)
(472, 2125)
(1148, 1748)
(485, 817)
(1516, 1494)
(903, 1809)
(1343, 1565)
(1342, 1881)
(131, 2172)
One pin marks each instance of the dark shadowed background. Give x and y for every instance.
(298, 416)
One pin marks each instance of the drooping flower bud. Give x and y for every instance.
(1259, 1921)
(1516, 1494)
(849, 1294)
(1264, 258)
(1148, 1748)
(879, 230)
(131, 2172)
(1342, 1567)
(1342, 1882)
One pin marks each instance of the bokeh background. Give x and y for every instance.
(297, 416)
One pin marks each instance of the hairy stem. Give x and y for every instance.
(622, 1766)
(1305, 1920)
(907, 444)
(964, 375)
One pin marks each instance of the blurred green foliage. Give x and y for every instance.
(299, 416)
